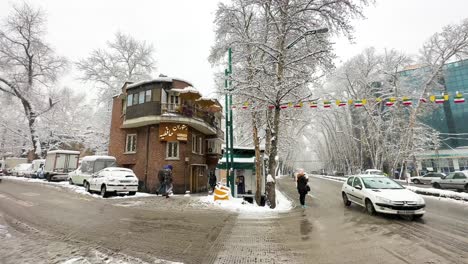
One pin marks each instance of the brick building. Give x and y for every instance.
(165, 121)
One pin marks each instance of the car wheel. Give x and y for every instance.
(466, 187)
(436, 185)
(346, 201)
(48, 177)
(370, 207)
(131, 193)
(104, 192)
(416, 181)
(70, 181)
(86, 186)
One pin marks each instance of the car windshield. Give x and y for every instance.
(102, 164)
(380, 183)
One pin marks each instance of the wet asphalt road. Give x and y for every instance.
(328, 232)
(78, 224)
(52, 224)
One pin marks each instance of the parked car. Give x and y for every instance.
(22, 169)
(90, 165)
(10, 163)
(36, 165)
(381, 194)
(113, 180)
(455, 180)
(373, 172)
(59, 163)
(427, 178)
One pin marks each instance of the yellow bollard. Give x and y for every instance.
(221, 193)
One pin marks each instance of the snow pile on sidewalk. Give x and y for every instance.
(338, 179)
(283, 204)
(99, 257)
(4, 232)
(439, 193)
(74, 188)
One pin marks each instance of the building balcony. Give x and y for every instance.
(154, 113)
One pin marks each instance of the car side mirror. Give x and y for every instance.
(443, 177)
(359, 187)
(94, 176)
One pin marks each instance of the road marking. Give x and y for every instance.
(20, 202)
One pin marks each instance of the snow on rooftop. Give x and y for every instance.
(95, 157)
(159, 79)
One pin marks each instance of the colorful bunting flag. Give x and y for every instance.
(378, 99)
(313, 105)
(439, 99)
(283, 106)
(423, 100)
(299, 105)
(271, 107)
(459, 98)
(340, 103)
(326, 104)
(390, 101)
(407, 101)
(245, 105)
(358, 103)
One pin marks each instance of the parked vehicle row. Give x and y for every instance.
(95, 173)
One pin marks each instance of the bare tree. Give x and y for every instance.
(28, 65)
(124, 59)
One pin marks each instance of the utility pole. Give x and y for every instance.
(229, 124)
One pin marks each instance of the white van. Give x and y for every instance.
(36, 165)
(90, 165)
(59, 163)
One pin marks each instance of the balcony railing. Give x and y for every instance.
(192, 112)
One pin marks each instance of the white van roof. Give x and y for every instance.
(96, 157)
(63, 152)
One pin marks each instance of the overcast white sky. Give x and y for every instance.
(182, 30)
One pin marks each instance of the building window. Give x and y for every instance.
(194, 144)
(130, 145)
(141, 98)
(172, 150)
(130, 100)
(200, 145)
(148, 96)
(135, 99)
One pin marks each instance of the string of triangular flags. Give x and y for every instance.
(405, 101)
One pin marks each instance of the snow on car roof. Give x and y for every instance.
(96, 157)
(372, 175)
(63, 152)
(117, 169)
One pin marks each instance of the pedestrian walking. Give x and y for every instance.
(302, 187)
(168, 180)
(162, 185)
(212, 181)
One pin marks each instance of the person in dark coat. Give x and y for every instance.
(162, 185)
(212, 180)
(168, 180)
(302, 187)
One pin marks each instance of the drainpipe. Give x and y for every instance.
(146, 159)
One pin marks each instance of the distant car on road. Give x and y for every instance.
(373, 172)
(113, 180)
(455, 180)
(427, 178)
(381, 194)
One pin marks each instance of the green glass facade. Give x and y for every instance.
(448, 118)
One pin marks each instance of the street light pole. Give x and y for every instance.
(229, 125)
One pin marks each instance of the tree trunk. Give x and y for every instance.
(258, 160)
(272, 155)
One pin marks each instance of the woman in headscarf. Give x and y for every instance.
(302, 186)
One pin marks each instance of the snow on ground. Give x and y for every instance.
(283, 204)
(419, 190)
(76, 188)
(4, 232)
(99, 257)
(439, 193)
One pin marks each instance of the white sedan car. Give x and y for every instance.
(383, 195)
(113, 180)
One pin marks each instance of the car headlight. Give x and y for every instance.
(421, 200)
(383, 200)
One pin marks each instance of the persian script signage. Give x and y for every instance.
(173, 132)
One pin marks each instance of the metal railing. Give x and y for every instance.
(192, 112)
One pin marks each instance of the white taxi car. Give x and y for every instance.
(383, 195)
(112, 180)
